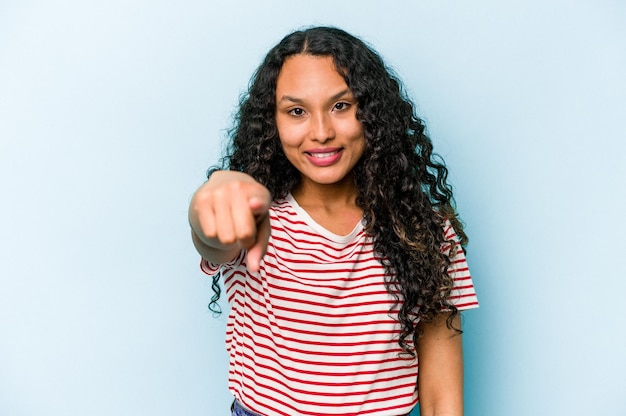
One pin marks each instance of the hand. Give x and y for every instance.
(228, 213)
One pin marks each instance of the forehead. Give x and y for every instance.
(309, 73)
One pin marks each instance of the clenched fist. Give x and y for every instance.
(230, 213)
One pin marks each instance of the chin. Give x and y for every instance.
(328, 179)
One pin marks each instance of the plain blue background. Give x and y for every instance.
(110, 113)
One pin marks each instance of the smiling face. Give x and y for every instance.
(316, 121)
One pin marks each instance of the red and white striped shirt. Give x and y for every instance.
(311, 333)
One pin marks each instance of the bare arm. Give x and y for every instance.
(229, 213)
(440, 381)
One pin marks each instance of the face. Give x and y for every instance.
(316, 120)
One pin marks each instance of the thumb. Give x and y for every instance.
(259, 205)
(258, 249)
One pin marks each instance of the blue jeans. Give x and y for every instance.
(237, 409)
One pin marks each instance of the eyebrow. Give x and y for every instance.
(300, 100)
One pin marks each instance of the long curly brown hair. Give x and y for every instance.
(402, 184)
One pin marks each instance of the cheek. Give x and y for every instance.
(287, 140)
(291, 135)
(353, 130)
(359, 140)
(290, 151)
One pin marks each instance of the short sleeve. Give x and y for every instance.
(212, 269)
(463, 294)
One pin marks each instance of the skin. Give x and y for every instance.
(440, 381)
(229, 213)
(322, 138)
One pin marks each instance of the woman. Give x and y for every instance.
(333, 227)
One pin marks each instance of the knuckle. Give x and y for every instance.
(227, 238)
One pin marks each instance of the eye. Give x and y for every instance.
(341, 106)
(297, 112)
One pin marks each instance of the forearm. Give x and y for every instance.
(444, 412)
(440, 382)
(216, 253)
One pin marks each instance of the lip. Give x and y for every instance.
(324, 157)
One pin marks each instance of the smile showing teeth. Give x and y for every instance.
(323, 155)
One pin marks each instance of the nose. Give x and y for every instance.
(322, 128)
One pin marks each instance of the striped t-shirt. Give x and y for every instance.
(311, 333)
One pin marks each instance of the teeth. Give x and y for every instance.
(323, 155)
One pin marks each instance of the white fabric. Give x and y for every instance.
(311, 333)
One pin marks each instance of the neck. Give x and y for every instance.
(331, 206)
(343, 193)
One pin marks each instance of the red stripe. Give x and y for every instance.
(315, 325)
